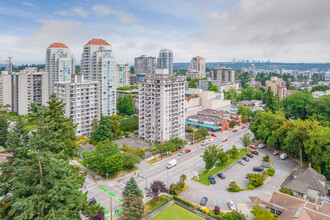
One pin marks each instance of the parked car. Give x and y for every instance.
(249, 155)
(246, 159)
(210, 140)
(283, 156)
(252, 147)
(212, 180)
(204, 143)
(203, 201)
(213, 135)
(91, 201)
(265, 165)
(242, 127)
(187, 151)
(220, 175)
(261, 146)
(255, 152)
(235, 130)
(224, 140)
(181, 153)
(241, 162)
(258, 169)
(275, 153)
(231, 205)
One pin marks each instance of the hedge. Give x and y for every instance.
(270, 171)
(183, 201)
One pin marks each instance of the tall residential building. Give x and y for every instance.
(5, 88)
(82, 102)
(277, 86)
(165, 60)
(122, 75)
(224, 75)
(99, 64)
(145, 65)
(60, 64)
(197, 68)
(29, 86)
(161, 106)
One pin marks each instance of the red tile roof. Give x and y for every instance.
(198, 57)
(57, 45)
(97, 42)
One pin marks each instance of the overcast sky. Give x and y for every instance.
(219, 30)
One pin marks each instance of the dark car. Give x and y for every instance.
(220, 175)
(246, 159)
(203, 201)
(255, 152)
(258, 169)
(212, 179)
(249, 155)
(91, 201)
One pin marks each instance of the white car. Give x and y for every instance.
(204, 143)
(261, 146)
(231, 205)
(210, 140)
(283, 156)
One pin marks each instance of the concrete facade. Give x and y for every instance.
(99, 64)
(278, 87)
(197, 68)
(5, 89)
(60, 64)
(161, 107)
(222, 74)
(145, 65)
(82, 102)
(122, 75)
(204, 85)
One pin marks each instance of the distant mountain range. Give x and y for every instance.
(319, 67)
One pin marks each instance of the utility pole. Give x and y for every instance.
(161, 144)
(110, 207)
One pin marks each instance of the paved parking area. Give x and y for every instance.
(237, 172)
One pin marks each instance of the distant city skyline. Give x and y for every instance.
(218, 30)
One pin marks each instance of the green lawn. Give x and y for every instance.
(203, 178)
(175, 212)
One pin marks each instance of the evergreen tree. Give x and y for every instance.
(62, 129)
(270, 100)
(3, 130)
(103, 130)
(36, 182)
(133, 207)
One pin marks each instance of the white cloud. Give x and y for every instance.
(30, 5)
(32, 49)
(294, 31)
(79, 11)
(103, 10)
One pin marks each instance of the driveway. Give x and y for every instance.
(237, 172)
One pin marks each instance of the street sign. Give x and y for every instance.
(220, 201)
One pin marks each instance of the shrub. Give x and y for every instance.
(153, 149)
(257, 179)
(173, 189)
(232, 123)
(270, 171)
(286, 191)
(126, 135)
(250, 187)
(143, 149)
(266, 158)
(233, 187)
(183, 201)
(184, 187)
(216, 210)
(84, 143)
(189, 129)
(206, 211)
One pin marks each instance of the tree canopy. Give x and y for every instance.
(126, 105)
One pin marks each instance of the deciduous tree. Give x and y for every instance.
(210, 156)
(156, 188)
(246, 139)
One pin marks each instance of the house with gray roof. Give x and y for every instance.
(306, 184)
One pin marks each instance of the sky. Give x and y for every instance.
(218, 30)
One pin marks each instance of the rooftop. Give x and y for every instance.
(57, 45)
(198, 57)
(95, 41)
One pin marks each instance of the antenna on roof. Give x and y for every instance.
(9, 65)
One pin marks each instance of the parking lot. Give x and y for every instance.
(218, 193)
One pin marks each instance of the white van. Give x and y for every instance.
(171, 164)
(283, 156)
(261, 146)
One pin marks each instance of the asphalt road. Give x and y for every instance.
(188, 164)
